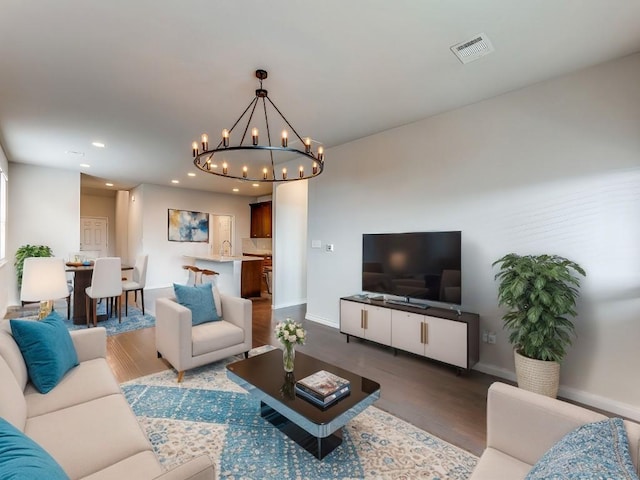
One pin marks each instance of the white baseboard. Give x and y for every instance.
(289, 304)
(320, 320)
(589, 399)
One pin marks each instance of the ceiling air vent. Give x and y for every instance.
(472, 49)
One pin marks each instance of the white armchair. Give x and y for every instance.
(186, 346)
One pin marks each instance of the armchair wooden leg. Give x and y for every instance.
(180, 376)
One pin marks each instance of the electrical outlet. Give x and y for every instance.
(329, 247)
(491, 338)
(485, 336)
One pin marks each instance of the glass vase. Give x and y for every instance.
(288, 356)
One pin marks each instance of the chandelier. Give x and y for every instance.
(260, 162)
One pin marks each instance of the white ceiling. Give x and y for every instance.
(147, 77)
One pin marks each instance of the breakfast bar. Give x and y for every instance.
(239, 276)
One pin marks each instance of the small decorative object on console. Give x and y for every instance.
(290, 333)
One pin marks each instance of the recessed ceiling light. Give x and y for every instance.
(236, 189)
(255, 185)
(175, 181)
(109, 184)
(191, 174)
(85, 165)
(98, 144)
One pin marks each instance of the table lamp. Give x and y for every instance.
(43, 280)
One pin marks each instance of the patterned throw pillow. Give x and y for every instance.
(598, 450)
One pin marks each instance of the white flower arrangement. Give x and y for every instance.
(290, 333)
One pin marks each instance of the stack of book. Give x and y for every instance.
(323, 388)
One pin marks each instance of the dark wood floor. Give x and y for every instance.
(424, 393)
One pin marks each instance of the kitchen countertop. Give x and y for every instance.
(224, 259)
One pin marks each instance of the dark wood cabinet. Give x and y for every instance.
(261, 220)
(251, 278)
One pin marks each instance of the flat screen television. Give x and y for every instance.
(418, 265)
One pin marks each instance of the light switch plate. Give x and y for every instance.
(316, 243)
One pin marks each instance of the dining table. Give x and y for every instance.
(81, 280)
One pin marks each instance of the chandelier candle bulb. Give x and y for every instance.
(194, 146)
(307, 145)
(205, 142)
(320, 154)
(284, 173)
(284, 138)
(244, 171)
(315, 168)
(264, 173)
(224, 168)
(225, 138)
(301, 171)
(254, 136)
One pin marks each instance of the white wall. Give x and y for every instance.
(552, 168)
(289, 241)
(5, 266)
(44, 209)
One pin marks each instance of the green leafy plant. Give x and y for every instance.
(26, 251)
(541, 293)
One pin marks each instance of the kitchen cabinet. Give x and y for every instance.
(261, 220)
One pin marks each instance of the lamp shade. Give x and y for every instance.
(43, 278)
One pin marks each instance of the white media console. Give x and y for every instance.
(448, 336)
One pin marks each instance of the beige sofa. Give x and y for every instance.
(186, 346)
(85, 422)
(522, 426)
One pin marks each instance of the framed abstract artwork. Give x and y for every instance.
(186, 226)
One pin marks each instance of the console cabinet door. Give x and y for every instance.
(406, 331)
(351, 318)
(446, 341)
(377, 324)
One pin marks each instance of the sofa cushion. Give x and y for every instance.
(89, 380)
(594, 450)
(10, 351)
(198, 299)
(22, 458)
(90, 436)
(47, 349)
(13, 406)
(141, 465)
(214, 336)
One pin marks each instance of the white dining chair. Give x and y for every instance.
(106, 282)
(137, 283)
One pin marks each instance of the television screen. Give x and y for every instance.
(420, 265)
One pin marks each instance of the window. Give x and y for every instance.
(3, 215)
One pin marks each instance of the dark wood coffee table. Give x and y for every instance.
(318, 430)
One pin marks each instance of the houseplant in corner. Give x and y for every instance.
(540, 292)
(27, 251)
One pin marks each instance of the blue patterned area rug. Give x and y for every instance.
(210, 414)
(134, 321)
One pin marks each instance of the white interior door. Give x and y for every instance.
(94, 236)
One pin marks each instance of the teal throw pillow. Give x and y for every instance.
(47, 349)
(21, 458)
(592, 451)
(198, 299)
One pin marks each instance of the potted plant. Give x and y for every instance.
(540, 292)
(27, 251)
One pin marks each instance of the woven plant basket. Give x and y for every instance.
(537, 376)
